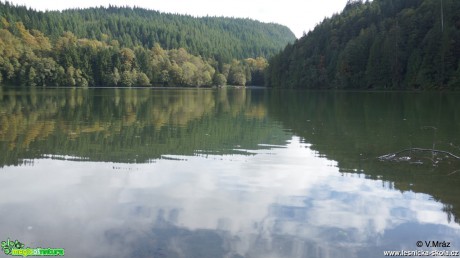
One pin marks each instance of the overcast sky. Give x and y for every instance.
(298, 15)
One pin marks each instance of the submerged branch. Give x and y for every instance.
(392, 155)
(453, 172)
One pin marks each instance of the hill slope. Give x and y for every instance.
(217, 37)
(383, 44)
(132, 47)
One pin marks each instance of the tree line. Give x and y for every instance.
(383, 44)
(220, 38)
(28, 57)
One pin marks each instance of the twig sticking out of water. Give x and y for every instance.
(392, 155)
(453, 172)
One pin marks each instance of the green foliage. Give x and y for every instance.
(211, 37)
(219, 79)
(255, 69)
(142, 79)
(29, 58)
(236, 74)
(398, 44)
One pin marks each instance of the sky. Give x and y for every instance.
(299, 15)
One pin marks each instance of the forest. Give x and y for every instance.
(123, 46)
(380, 44)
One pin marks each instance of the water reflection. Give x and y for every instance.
(211, 173)
(130, 125)
(354, 128)
(297, 205)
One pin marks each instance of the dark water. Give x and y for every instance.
(228, 172)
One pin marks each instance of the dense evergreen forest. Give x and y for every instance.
(383, 44)
(218, 37)
(121, 46)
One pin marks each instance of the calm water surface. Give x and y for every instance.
(228, 172)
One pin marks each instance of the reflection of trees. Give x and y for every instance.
(128, 124)
(355, 128)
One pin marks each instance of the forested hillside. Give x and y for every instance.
(132, 47)
(217, 37)
(383, 44)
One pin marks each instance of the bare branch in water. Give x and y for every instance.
(453, 172)
(392, 155)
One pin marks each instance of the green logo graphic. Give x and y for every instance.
(16, 248)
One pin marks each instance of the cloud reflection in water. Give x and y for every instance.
(280, 202)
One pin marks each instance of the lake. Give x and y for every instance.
(229, 172)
